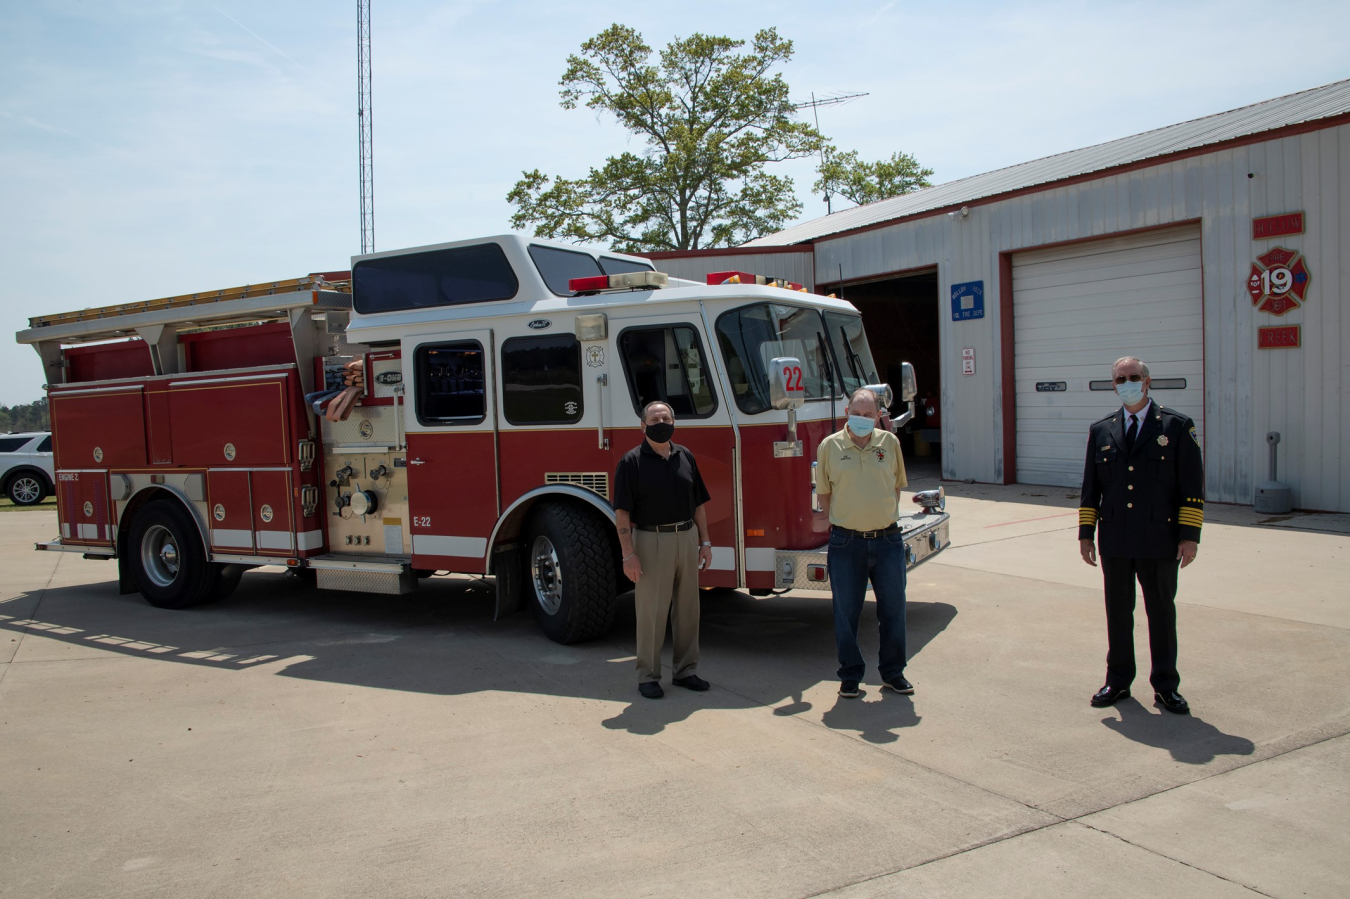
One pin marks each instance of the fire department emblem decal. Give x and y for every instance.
(229, 452)
(366, 428)
(570, 407)
(265, 513)
(1278, 281)
(98, 454)
(219, 512)
(595, 356)
(88, 510)
(1162, 440)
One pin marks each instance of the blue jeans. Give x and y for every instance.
(853, 560)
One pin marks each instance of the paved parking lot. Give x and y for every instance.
(320, 744)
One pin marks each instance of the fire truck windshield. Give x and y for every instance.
(849, 342)
(752, 335)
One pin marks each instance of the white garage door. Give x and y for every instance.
(1077, 309)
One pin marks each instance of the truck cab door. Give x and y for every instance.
(451, 423)
(670, 358)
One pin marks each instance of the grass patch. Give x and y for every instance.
(48, 504)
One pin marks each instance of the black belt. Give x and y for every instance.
(665, 528)
(868, 535)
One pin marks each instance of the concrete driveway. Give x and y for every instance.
(327, 744)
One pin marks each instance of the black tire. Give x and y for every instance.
(227, 579)
(168, 563)
(569, 572)
(27, 488)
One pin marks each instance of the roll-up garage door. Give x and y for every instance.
(1078, 308)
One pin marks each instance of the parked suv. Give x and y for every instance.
(26, 466)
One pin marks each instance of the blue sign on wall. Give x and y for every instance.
(967, 301)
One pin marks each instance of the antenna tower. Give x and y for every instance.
(363, 116)
(814, 105)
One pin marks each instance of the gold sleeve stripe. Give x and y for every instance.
(1087, 515)
(1194, 521)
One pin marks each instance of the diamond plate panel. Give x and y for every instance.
(368, 426)
(366, 581)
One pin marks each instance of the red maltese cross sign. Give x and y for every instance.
(1279, 281)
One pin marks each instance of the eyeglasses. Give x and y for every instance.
(1121, 379)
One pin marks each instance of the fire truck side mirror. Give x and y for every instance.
(909, 385)
(786, 390)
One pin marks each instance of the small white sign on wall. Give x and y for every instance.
(968, 360)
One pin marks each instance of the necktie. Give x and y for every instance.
(1130, 433)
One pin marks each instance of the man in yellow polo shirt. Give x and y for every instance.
(859, 473)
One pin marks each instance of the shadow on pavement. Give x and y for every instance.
(442, 640)
(1191, 740)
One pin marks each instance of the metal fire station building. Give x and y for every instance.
(1217, 250)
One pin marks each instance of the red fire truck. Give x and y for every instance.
(502, 382)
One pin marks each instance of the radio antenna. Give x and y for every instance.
(363, 116)
(814, 105)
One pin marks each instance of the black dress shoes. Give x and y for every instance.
(1173, 702)
(691, 682)
(1109, 695)
(651, 689)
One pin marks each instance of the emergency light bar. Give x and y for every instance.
(625, 281)
(715, 278)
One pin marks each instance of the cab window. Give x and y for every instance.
(541, 380)
(450, 384)
(557, 267)
(667, 363)
(451, 277)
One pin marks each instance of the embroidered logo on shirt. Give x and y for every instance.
(881, 455)
(845, 458)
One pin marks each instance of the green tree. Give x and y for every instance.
(847, 176)
(712, 118)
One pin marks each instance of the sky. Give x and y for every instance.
(157, 147)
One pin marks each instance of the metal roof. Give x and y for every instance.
(1293, 109)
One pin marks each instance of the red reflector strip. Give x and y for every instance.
(596, 282)
(816, 573)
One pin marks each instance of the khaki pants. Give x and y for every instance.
(668, 586)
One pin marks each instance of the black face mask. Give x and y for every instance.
(659, 432)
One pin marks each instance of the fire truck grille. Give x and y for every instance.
(595, 481)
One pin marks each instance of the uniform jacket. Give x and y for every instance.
(1148, 500)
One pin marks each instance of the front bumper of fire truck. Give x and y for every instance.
(808, 569)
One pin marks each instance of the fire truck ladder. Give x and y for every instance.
(159, 322)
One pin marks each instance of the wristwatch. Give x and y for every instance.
(705, 543)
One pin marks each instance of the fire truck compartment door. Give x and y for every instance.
(451, 414)
(82, 499)
(231, 510)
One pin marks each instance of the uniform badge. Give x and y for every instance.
(881, 455)
(1193, 437)
(1162, 440)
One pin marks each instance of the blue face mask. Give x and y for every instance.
(861, 425)
(1132, 392)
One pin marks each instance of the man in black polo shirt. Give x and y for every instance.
(663, 532)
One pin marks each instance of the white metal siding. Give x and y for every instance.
(1078, 307)
(1303, 393)
(797, 267)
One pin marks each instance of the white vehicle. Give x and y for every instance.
(26, 467)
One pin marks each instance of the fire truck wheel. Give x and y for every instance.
(168, 562)
(228, 580)
(569, 572)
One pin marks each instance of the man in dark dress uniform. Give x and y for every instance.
(1144, 481)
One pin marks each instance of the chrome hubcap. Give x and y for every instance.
(159, 555)
(547, 574)
(26, 490)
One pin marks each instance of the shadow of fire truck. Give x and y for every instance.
(442, 640)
